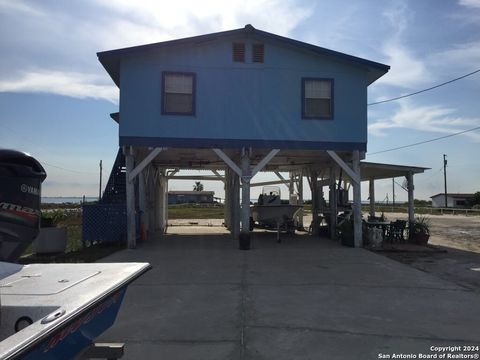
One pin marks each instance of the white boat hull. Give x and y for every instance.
(274, 215)
(67, 306)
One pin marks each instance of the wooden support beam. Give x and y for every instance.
(218, 175)
(357, 202)
(153, 154)
(227, 214)
(410, 188)
(371, 193)
(197, 177)
(246, 176)
(315, 202)
(266, 183)
(228, 161)
(264, 161)
(344, 166)
(284, 181)
(235, 206)
(333, 202)
(130, 194)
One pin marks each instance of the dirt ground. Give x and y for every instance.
(455, 254)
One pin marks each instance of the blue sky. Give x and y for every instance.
(55, 96)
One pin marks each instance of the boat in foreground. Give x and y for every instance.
(48, 311)
(54, 311)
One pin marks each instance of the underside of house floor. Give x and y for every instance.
(303, 298)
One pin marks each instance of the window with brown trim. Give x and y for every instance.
(178, 93)
(317, 98)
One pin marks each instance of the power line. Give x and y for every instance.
(42, 147)
(424, 90)
(425, 141)
(65, 169)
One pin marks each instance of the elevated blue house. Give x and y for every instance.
(239, 102)
(241, 88)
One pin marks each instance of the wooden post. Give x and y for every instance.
(235, 206)
(130, 192)
(246, 176)
(357, 201)
(148, 200)
(163, 200)
(371, 191)
(100, 186)
(300, 198)
(410, 188)
(142, 199)
(158, 200)
(227, 216)
(333, 202)
(315, 204)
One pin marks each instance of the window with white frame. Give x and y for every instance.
(317, 98)
(178, 93)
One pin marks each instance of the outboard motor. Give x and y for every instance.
(21, 177)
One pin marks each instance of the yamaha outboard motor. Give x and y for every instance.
(21, 177)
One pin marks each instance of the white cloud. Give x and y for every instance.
(435, 118)
(399, 17)
(183, 18)
(407, 70)
(464, 56)
(8, 6)
(77, 85)
(470, 3)
(70, 40)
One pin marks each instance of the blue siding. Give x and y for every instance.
(236, 101)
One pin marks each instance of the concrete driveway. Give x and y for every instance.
(306, 298)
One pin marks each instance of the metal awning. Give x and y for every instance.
(377, 171)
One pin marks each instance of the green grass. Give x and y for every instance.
(75, 251)
(192, 211)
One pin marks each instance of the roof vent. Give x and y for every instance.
(238, 52)
(258, 51)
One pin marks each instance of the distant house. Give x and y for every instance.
(190, 197)
(455, 200)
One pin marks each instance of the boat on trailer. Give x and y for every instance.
(270, 213)
(48, 311)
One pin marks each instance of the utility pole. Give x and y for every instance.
(393, 192)
(100, 187)
(445, 177)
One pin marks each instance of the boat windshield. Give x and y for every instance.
(271, 190)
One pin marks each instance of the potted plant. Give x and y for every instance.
(419, 230)
(50, 239)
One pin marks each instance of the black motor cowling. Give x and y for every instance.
(21, 177)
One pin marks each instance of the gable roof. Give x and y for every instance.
(111, 59)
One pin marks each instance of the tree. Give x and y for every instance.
(475, 200)
(198, 186)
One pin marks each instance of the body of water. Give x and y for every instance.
(62, 200)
